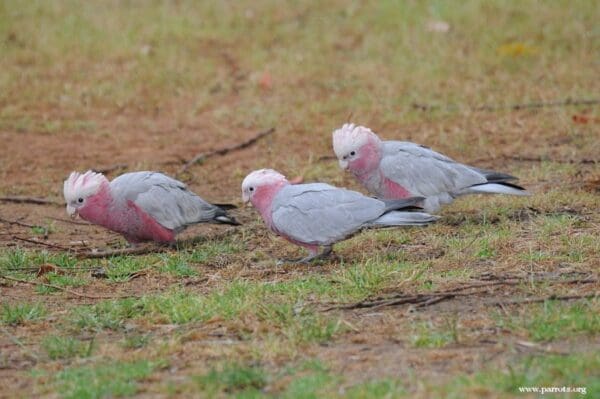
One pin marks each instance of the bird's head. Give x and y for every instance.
(356, 147)
(257, 181)
(79, 187)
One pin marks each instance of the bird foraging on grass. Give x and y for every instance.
(142, 206)
(401, 169)
(318, 215)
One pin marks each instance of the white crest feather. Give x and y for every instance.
(82, 185)
(351, 137)
(262, 176)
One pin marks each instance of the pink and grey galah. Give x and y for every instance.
(401, 169)
(318, 215)
(142, 206)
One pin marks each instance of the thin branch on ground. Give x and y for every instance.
(45, 244)
(18, 223)
(69, 221)
(63, 289)
(544, 299)
(111, 168)
(424, 300)
(29, 200)
(323, 158)
(122, 251)
(526, 158)
(513, 107)
(222, 151)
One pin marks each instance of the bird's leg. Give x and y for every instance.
(314, 254)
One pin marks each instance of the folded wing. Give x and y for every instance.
(425, 172)
(322, 214)
(165, 199)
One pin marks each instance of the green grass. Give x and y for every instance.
(244, 381)
(209, 251)
(295, 323)
(110, 379)
(177, 265)
(61, 281)
(426, 335)
(58, 347)
(121, 268)
(21, 313)
(553, 320)
(135, 341)
(579, 370)
(74, 73)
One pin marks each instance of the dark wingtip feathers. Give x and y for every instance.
(406, 204)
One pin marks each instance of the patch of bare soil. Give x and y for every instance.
(376, 343)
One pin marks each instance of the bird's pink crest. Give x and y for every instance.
(351, 137)
(80, 185)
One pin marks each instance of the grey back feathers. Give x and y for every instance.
(427, 173)
(166, 200)
(321, 214)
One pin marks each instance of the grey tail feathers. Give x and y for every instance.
(406, 204)
(497, 183)
(495, 188)
(400, 218)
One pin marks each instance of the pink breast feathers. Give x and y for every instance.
(148, 228)
(393, 190)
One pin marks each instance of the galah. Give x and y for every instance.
(142, 206)
(401, 169)
(318, 215)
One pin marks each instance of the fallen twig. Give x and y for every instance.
(222, 151)
(423, 300)
(111, 168)
(29, 200)
(46, 244)
(514, 107)
(525, 158)
(124, 251)
(69, 221)
(544, 299)
(18, 223)
(434, 300)
(59, 288)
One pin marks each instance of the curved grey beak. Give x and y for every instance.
(72, 211)
(343, 164)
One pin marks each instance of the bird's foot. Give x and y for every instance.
(308, 259)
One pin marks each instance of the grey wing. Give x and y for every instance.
(165, 199)
(425, 172)
(322, 214)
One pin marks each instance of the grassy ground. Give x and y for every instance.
(146, 85)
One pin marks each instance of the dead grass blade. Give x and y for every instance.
(66, 290)
(29, 200)
(424, 300)
(513, 107)
(222, 151)
(544, 299)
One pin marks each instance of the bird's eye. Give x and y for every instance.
(80, 200)
(352, 153)
(251, 189)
